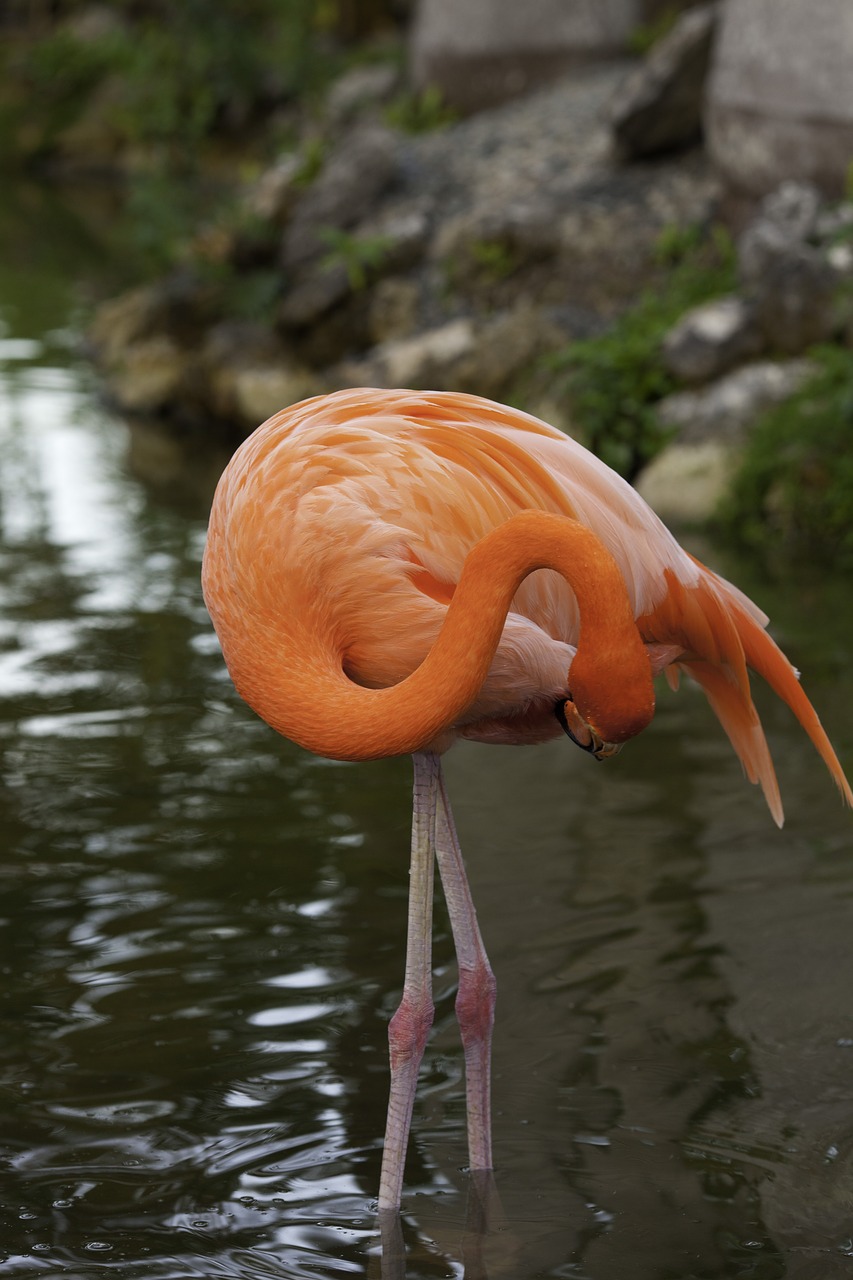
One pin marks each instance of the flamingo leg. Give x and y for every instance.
(410, 1025)
(475, 999)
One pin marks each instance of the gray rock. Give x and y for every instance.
(834, 222)
(840, 259)
(272, 195)
(321, 287)
(424, 360)
(393, 309)
(375, 249)
(785, 218)
(497, 241)
(361, 87)
(481, 358)
(151, 375)
(483, 52)
(790, 281)
(179, 305)
(780, 96)
(361, 169)
(793, 207)
(794, 300)
(262, 390)
(685, 483)
(725, 409)
(504, 346)
(659, 106)
(228, 348)
(711, 339)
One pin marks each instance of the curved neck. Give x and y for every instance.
(306, 695)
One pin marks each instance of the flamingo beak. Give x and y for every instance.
(580, 732)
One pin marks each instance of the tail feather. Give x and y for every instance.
(736, 713)
(721, 635)
(765, 657)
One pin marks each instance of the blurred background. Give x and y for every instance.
(634, 219)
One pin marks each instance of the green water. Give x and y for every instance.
(202, 926)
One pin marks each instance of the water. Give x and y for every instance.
(202, 926)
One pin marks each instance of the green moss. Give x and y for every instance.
(613, 381)
(793, 494)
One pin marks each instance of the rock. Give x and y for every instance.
(151, 375)
(93, 24)
(837, 221)
(793, 207)
(261, 391)
(787, 217)
(840, 259)
(361, 87)
(272, 195)
(361, 169)
(687, 479)
(791, 282)
(424, 360)
(228, 348)
(504, 346)
(659, 106)
(393, 309)
(374, 249)
(322, 287)
(711, 339)
(482, 359)
(725, 409)
(178, 305)
(780, 96)
(794, 301)
(492, 243)
(480, 54)
(685, 483)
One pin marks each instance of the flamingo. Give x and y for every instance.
(388, 571)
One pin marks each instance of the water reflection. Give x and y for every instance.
(201, 940)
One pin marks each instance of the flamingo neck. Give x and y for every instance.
(296, 681)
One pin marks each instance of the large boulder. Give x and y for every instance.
(482, 52)
(780, 98)
(659, 105)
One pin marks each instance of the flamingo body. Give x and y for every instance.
(390, 570)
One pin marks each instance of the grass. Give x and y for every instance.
(613, 381)
(793, 494)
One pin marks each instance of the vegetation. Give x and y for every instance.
(154, 91)
(613, 381)
(793, 494)
(648, 34)
(175, 73)
(420, 112)
(358, 255)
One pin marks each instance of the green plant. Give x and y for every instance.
(613, 381)
(164, 84)
(647, 34)
(676, 242)
(494, 258)
(311, 160)
(420, 112)
(793, 493)
(358, 255)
